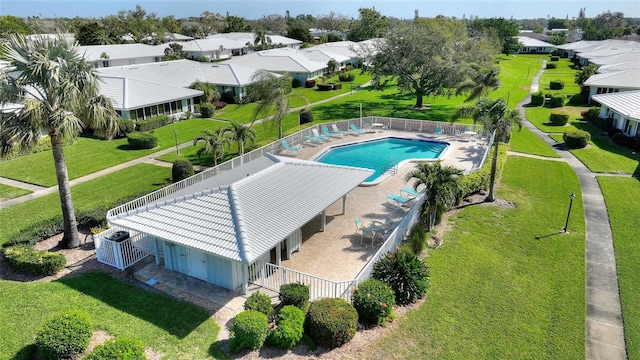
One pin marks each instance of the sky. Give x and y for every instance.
(253, 9)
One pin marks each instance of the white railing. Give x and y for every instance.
(271, 276)
(125, 253)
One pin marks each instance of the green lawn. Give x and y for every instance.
(106, 190)
(9, 192)
(516, 72)
(527, 142)
(539, 117)
(90, 154)
(564, 72)
(174, 328)
(506, 284)
(617, 194)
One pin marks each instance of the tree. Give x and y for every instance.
(429, 57)
(558, 38)
(501, 30)
(300, 33)
(170, 23)
(13, 25)
(93, 33)
(274, 24)
(606, 25)
(211, 23)
(174, 52)
(214, 143)
(241, 134)
(210, 92)
(581, 20)
(370, 25)
(332, 22)
(235, 24)
(271, 92)
(59, 91)
(480, 82)
(261, 41)
(584, 74)
(495, 117)
(441, 187)
(332, 65)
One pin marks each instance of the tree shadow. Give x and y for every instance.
(26, 353)
(177, 317)
(548, 235)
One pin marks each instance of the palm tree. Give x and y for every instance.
(59, 93)
(332, 65)
(241, 134)
(214, 143)
(481, 81)
(210, 92)
(263, 39)
(271, 92)
(441, 187)
(495, 117)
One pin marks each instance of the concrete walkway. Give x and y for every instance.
(604, 325)
(40, 191)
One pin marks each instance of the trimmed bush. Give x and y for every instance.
(578, 99)
(331, 322)
(556, 100)
(181, 169)
(537, 99)
(325, 87)
(259, 302)
(289, 330)
(374, 301)
(249, 331)
(337, 86)
(152, 123)
(206, 110)
(24, 258)
(125, 127)
(559, 118)
(623, 140)
(556, 85)
(592, 115)
(228, 97)
(346, 77)
(551, 66)
(219, 104)
(295, 294)
(479, 180)
(405, 273)
(142, 140)
(576, 139)
(65, 335)
(306, 116)
(295, 83)
(555, 58)
(310, 83)
(118, 349)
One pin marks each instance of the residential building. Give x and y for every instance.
(122, 54)
(623, 108)
(534, 46)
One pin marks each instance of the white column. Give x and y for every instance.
(344, 204)
(324, 219)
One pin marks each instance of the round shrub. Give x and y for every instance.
(559, 118)
(65, 335)
(295, 83)
(25, 258)
(556, 85)
(306, 116)
(142, 140)
(405, 273)
(555, 58)
(152, 123)
(331, 322)
(556, 100)
(346, 77)
(249, 331)
(373, 301)
(125, 127)
(337, 86)
(537, 99)
(118, 349)
(289, 328)
(310, 83)
(592, 115)
(206, 110)
(295, 294)
(551, 66)
(181, 169)
(576, 139)
(325, 87)
(259, 302)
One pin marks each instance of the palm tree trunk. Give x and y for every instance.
(70, 239)
(240, 148)
(494, 168)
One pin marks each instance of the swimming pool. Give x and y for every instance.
(383, 154)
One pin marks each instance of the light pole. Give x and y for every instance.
(175, 134)
(572, 196)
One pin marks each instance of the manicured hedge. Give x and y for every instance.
(259, 302)
(295, 83)
(325, 87)
(479, 180)
(249, 331)
(181, 169)
(559, 118)
(24, 258)
(118, 349)
(295, 294)
(374, 301)
(621, 139)
(551, 66)
(556, 85)
(576, 139)
(592, 115)
(556, 100)
(65, 335)
(537, 98)
(337, 86)
(125, 127)
(152, 123)
(289, 328)
(346, 77)
(310, 83)
(142, 140)
(206, 110)
(331, 322)
(306, 116)
(555, 58)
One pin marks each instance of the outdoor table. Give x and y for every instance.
(377, 126)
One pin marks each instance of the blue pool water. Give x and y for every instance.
(382, 154)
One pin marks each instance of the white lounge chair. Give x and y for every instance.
(317, 135)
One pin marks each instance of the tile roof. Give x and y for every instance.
(626, 103)
(244, 214)
(620, 79)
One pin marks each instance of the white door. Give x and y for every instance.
(196, 263)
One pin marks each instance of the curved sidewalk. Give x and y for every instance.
(604, 325)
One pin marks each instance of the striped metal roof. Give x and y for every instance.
(621, 79)
(128, 94)
(245, 212)
(626, 103)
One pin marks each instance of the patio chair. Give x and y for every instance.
(291, 149)
(438, 130)
(409, 191)
(313, 139)
(317, 135)
(338, 131)
(386, 229)
(365, 231)
(325, 131)
(399, 200)
(355, 129)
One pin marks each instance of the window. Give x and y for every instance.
(140, 113)
(147, 112)
(105, 63)
(133, 115)
(167, 108)
(154, 110)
